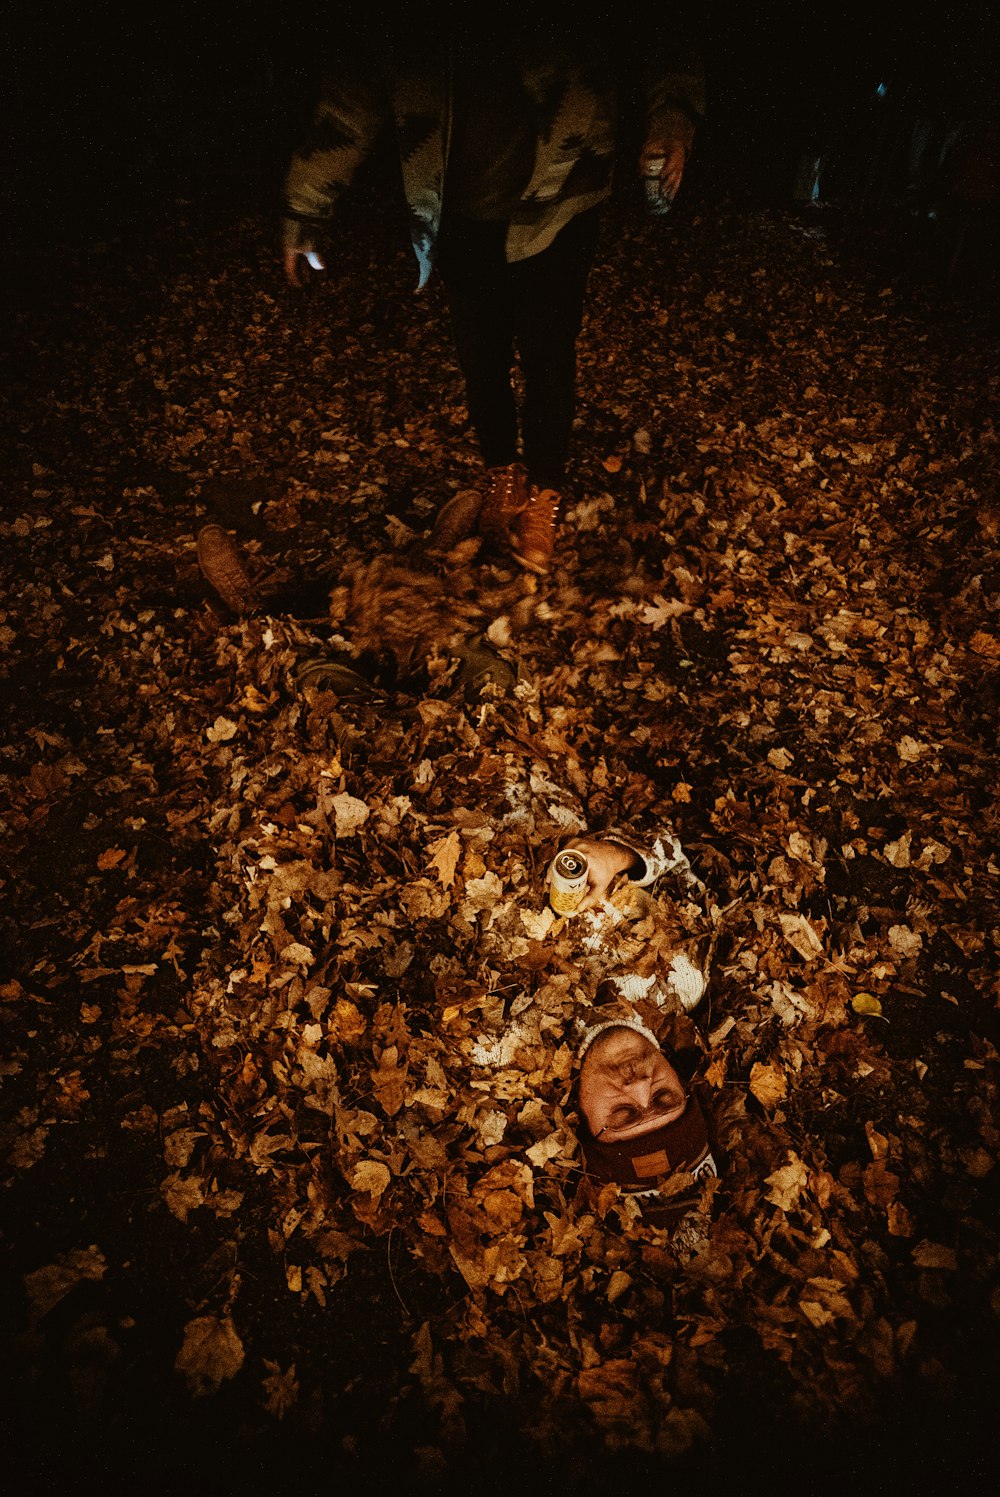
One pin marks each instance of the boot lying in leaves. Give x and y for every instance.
(224, 568)
(391, 610)
(480, 666)
(329, 674)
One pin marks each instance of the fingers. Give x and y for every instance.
(292, 259)
(671, 157)
(296, 262)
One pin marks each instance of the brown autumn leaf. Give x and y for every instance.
(801, 934)
(389, 1080)
(446, 854)
(769, 1083)
(211, 1354)
(985, 644)
(47, 1285)
(371, 1175)
(929, 1254)
(787, 1184)
(183, 1194)
(280, 1389)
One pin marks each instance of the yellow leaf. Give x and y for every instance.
(221, 730)
(867, 1003)
(348, 1022)
(716, 1073)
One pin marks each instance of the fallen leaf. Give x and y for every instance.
(281, 1389)
(801, 935)
(350, 813)
(929, 1254)
(222, 730)
(370, 1175)
(904, 941)
(445, 857)
(787, 1184)
(768, 1083)
(210, 1355)
(987, 645)
(48, 1285)
(909, 749)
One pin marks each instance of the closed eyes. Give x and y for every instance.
(624, 1114)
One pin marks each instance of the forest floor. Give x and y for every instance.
(270, 1222)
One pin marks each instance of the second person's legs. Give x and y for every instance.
(549, 290)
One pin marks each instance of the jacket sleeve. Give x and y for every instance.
(349, 117)
(665, 55)
(661, 854)
(673, 85)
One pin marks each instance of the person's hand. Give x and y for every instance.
(606, 860)
(671, 154)
(299, 263)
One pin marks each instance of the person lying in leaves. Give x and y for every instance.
(641, 967)
(395, 610)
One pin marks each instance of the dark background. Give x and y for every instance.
(114, 112)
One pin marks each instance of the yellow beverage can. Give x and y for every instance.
(568, 879)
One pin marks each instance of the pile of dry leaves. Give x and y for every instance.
(276, 1184)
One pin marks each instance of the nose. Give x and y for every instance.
(640, 1090)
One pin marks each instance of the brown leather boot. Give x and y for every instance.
(506, 496)
(222, 565)
(533, 534)
(456, 519)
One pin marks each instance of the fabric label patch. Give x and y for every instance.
(651, 1164)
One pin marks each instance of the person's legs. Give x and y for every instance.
(478, 285)
(548, 310)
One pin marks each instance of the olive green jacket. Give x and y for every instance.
(581, 96)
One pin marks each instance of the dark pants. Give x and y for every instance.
(534, 306)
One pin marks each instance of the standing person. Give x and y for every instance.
(507, 137)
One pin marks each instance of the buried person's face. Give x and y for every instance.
(628, 1087)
